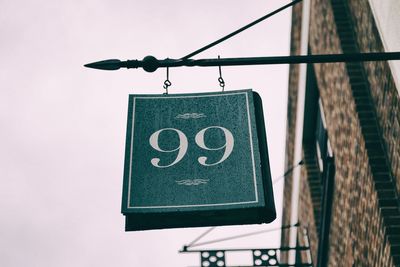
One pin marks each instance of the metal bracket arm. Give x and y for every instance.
(151, 64)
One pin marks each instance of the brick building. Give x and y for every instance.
(344, 123)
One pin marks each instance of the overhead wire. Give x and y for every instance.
(243, 235)
(301, 162)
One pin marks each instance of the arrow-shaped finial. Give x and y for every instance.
(148, 63)
(109, 64)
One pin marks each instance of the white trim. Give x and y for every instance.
(197, 205)
(330, 151)
(319, 157)
(251, 147)
(322, 113)
(131, 151)
(387, 20)
(128, 204)
(301, 94)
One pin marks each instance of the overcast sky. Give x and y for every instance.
(62, 126)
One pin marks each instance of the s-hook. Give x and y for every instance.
(167, 82)
(220, 79)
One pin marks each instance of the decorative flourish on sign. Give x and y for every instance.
(192, 182)
(187, 116)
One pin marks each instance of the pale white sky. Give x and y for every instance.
(63, 126)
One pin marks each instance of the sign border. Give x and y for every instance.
(131, 150)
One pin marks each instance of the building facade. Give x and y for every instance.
(343, 122)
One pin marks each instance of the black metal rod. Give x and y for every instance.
(245, 249)
(240, 30)
(151, 64)
(293, 59)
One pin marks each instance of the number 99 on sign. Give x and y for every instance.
(183, 146)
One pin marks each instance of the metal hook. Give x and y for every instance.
(220, 79)
(167, 82)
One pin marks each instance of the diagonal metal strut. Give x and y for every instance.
(294, 2)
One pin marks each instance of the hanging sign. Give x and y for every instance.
(196, 160)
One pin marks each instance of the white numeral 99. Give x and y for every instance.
(229, 142)
(183, 146)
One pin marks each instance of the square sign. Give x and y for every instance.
(196, 160)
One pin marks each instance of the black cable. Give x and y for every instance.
(201, 236)
(287, 172)
(244, 235)
(240, 30)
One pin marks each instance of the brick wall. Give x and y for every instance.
(310, 204)
(383, 89)
(362, 111)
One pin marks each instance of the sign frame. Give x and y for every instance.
(260, 210)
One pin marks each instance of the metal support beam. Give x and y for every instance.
(151, 64)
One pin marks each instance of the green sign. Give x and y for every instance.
(196, 160)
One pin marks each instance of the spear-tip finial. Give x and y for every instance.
(109, 64)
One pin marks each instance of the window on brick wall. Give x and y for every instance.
(319, 161)
(326, 166)
(323, 147)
